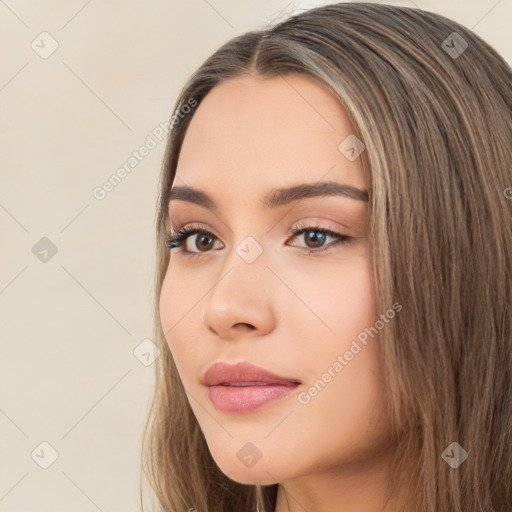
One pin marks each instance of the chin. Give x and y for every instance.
(260, 473)
(249, 477)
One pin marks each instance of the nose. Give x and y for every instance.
(240, 303)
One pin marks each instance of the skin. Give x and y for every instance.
(290, 312)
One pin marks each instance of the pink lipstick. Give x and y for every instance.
(244, 387)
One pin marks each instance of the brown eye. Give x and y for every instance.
(316, 240)
(204, 242)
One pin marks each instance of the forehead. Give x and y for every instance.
(250, 133)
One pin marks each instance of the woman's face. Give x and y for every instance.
(300, 306)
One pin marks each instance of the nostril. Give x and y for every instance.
(246, 325)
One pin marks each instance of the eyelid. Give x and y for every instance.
(317, 224)
(191, 226)
(312, 221)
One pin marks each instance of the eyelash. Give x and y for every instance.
(179, 237)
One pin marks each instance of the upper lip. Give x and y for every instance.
(224, 373)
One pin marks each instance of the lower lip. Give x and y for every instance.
(235, 399)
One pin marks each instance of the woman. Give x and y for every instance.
(334, 249)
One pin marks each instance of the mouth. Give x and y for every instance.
(244, 387)
(242, 397)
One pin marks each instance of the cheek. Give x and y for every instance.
(348, 419)
(345, 371)
(352, 291)
(341, 296)
(177, 299)
(176, 308)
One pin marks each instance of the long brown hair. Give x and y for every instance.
(434, 111)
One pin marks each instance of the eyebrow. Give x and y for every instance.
(276, 197)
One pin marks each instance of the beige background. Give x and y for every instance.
(70, 322)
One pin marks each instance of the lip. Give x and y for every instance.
(243, 387)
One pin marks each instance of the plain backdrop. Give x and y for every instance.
(82, 85)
